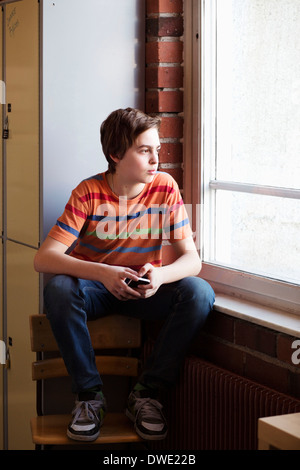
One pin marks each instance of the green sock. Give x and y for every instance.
(96, 389)
(140, 386)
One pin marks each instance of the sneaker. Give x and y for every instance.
(88, 416)
(146, 413)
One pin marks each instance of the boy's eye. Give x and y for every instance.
(147, 150)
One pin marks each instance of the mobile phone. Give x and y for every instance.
(140, 282)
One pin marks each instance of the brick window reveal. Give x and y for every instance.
(164, 79)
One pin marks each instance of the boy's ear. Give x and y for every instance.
(115, 158)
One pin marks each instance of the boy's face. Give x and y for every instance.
(139, 163)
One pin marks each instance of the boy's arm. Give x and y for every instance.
(52, 258)
(187, 263)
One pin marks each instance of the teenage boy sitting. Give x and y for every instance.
(119, 219)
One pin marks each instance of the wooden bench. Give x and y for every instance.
(114, 332)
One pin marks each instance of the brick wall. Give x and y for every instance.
(251, 350)
(164, 78)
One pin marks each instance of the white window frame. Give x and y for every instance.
(197, 184)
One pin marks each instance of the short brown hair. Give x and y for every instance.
(120, 130)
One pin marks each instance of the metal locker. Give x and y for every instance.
(66, 64)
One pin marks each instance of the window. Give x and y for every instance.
(243, 81)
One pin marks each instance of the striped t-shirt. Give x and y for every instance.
(119, 231)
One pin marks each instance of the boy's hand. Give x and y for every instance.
(114, 282)
(155, 277)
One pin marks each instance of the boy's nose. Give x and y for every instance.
(154, 157)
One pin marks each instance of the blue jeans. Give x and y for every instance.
(183, 305)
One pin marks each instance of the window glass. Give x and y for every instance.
(258, 91)
(250, 63)
(259, 234)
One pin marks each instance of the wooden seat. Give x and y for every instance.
(114, 332)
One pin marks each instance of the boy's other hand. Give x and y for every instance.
(155, 277)
(114, 281)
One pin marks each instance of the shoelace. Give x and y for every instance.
(148, 407)
(86, 410)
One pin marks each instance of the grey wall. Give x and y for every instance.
(92, 63)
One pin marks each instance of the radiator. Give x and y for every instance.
(214, 409)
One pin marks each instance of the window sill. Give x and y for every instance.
(268, 317)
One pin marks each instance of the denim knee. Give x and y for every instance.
(199, 296)
(58, 293)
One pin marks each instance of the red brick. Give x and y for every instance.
(267, 373)
(164, 6)
(295, 383)
(218, 352)
(220, 325)
(164, 77)
(166, 26)
(284, 348)
(171, 101)
(170, 153)
(164, 101)
(152, 103)
(164, 51)
(176, 173)
(255, 337)
(171, 127)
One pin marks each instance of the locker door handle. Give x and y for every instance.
(7, 363)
